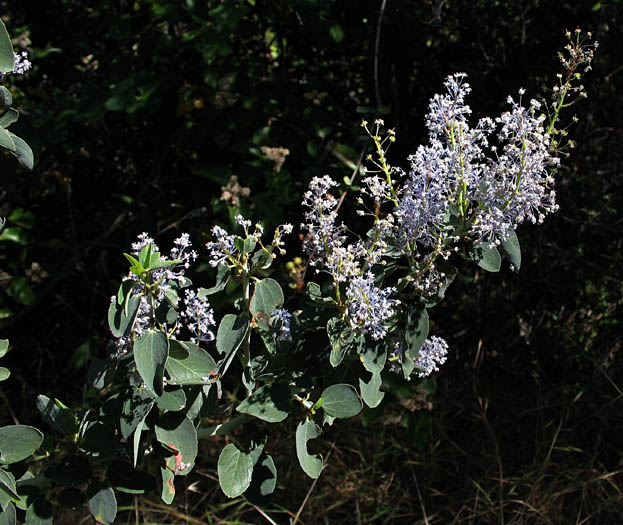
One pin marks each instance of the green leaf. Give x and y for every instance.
(22, 152)
(61, 419)
(172, 400)
(102, 502)
(168, 485)
(416, 330)
(7, 57)
(124, 478)
(136, 441)
(9, 515)
(311, 464)
(6, 99)
(16, 235)
(512, 250)
(373, 355)
(4, 347)
(8, 489)
(133, 260)
(222, 276)
(144, 257)
(231, 332)
(121, 316)
(135, 406)
(314, 292)
(263, 481)
(178, 433)
(102, 372)
(267, 297)
(10, 117)
(342, 338)
(192, 370)
(6, 141)
(18, 442)
(341, 401)
(20, 289)
(487, 258)
(39, 512)
(150, 355)
(245, 245)
(235, 469)
(178, 349)
(370, 392)
(4, 373)
(270, 403)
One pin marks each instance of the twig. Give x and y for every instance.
(268, 518)
(298, 514)
(419, 495)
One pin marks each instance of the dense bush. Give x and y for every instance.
(172, 117)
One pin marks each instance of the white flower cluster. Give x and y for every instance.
(21, 63)
(368, 305)
(198, 315)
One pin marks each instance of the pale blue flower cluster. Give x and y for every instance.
(369, 306)
(459, 170)
(198, 315)
(434, 352)
(223, 247)
(21, 63)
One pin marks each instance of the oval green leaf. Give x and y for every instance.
(60, 418)
(178, 433)
(121, 315)
(231, 332)
(487, 258)
(235, 470)
(512, 250)
(9, 515)
(18, 442)
(10, 117)
(102, 503)
(6, 141)
(341, 401)
(150, 355)
(22, 152)
(172, 400)
(194, 369)
(267, 297)
(372, 354)
(270, 403)
(7, 57)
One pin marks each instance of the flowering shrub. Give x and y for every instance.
(180, 372)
